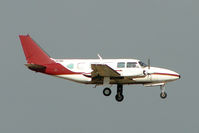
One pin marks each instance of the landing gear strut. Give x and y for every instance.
(163, 94)
(119, 96)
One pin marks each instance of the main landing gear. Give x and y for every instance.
(107, 92)
(119, 96)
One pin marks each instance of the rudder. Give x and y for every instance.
(33, 53)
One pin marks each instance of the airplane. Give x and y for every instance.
(105, 72)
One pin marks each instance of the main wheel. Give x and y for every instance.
(119, 97)
(107, 91)
(163, 95)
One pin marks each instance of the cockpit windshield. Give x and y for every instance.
(142, 64)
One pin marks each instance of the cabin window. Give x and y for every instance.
(70, 66)
(131, 64)
(121, 64)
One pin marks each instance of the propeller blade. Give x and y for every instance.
(149, 64)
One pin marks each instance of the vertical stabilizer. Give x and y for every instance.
(34, 54)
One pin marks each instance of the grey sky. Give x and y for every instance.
(166, 31)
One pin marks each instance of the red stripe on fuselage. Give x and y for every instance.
(167, 74)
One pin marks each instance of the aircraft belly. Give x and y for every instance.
(76, 77)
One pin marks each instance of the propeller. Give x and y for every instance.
(147, 71)
(149, 64)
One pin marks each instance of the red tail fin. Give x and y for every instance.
(34, 54)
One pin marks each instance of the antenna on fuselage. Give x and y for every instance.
(99, 56)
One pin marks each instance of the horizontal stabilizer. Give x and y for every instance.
(35, 67)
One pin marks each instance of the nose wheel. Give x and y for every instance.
(163, 94)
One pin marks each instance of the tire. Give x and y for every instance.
(163, 95)
(119, 97)
(107, 92)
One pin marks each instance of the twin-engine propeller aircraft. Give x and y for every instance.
(100, 71)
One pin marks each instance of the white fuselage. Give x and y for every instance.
(133, 71)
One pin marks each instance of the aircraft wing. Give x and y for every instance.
(103, 70)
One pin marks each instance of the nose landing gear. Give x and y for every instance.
(163, 94)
